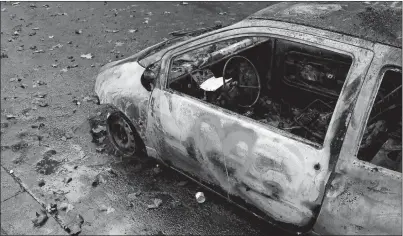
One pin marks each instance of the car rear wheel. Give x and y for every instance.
(122, 134)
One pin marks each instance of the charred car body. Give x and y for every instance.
(293, 113)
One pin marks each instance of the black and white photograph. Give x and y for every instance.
(201, 118)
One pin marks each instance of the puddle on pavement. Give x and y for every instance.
(47, 166)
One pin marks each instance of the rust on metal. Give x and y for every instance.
(293, 154)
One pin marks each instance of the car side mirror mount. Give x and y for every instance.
(148, 79)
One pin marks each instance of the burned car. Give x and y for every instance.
(293, 113)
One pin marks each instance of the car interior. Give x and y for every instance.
(287, 85)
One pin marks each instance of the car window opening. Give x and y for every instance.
(287, 85)
(382, 141)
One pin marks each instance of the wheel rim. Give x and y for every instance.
(122, 135)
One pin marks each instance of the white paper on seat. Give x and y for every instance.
(213, 83)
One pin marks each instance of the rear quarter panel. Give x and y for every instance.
(363, 198)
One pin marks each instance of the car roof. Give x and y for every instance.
(378, 22)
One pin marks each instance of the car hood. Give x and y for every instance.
(119, 81)
(134, 58)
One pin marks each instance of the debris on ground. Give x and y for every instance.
(157, 170)
(40, 102)
(107, 209)
(133, 196)
(51, 36)
(3, 55)
(98, 134)
(67, 180)
(93, 99)
(51, 208)
(75, 101)
(100, 149)
(40, 218)
(41, 183)
(156, 203)
(217, 22)
(40, 82)
(49, 153)
(59, 14)
(200, 198)
(19, 146)
(184, 3)
(47, 166)
(111, 31)
(66, 207)
(15, 79)
(11, 171)
(79, 31)
(110, 170)
(87, 56)
(33, 47)
(72, 66)
(133, 31)
(9, 117)
(55, 46)
(182, 183)
(98, 180)
(39, 51)
(74, 227)
(68, 135)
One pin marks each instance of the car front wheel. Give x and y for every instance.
(122, 134)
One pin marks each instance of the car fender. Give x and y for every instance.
(120, 85)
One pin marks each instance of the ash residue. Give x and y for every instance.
(47, 165)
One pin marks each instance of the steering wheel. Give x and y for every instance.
(240, 74)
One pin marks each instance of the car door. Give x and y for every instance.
(187, 132)
(366, 197)
(281, 175)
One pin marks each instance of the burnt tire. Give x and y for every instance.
(123, 136)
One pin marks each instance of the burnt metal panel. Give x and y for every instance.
(363, 198)
(120, 85)
(278, 172)
(374, 21)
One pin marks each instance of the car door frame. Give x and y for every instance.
(377, 191)
(361, 58)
